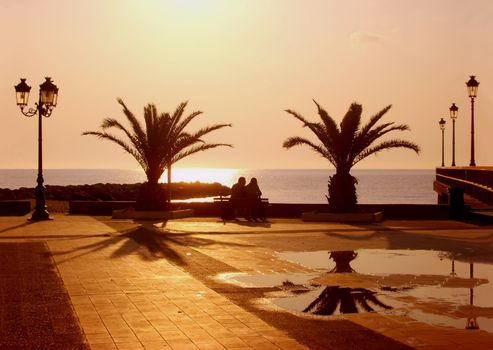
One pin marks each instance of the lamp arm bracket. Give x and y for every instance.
(46, 110)
(30, 112)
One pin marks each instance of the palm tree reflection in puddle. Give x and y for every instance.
(342, 258)
(349, 300)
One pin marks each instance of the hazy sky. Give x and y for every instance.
(244, 62)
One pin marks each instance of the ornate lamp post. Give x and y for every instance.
(48, 95)
(442, 127)
(454, 111)
(472, 89)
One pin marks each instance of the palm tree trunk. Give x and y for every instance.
(169, 183)
(342, 192)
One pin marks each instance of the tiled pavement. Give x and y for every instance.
(133, 291)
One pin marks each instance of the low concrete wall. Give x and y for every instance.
(286, 210)
(390, 211)
(410, 211)
(98, 207)
(15, 207)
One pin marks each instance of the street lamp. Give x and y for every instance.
(48, 95)
(454, 111)
(472, 89)
(442, 127)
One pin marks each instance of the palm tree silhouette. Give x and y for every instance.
(157, 146)
(342, 258)
(349, 300)
(346, 145)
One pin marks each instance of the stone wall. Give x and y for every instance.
(286, 210)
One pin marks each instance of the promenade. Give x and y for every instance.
(120, 284)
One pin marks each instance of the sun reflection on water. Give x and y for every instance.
(225, 176)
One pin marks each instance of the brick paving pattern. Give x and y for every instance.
(152, 285)
(35, 308)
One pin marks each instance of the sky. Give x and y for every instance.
(244, 62)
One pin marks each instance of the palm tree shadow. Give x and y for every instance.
(363, 237)
(148, 243)
(265, 223)
(253, 223)
(155, 246)
(139, 240)
(24, 224)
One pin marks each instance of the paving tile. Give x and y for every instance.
(233, 342)
(210, 346)
(135, 298)
(173, 335)
(124, 338)
(156, 345)
(104, 346)
(130, 346)
(182, 345)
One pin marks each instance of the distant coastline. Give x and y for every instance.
(115, 192)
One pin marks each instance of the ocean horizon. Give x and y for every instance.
(375, 186)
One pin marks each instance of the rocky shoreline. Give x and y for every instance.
(116, 192)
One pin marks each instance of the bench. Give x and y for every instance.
(228, 209)
(15, 207)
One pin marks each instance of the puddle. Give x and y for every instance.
(429, 286)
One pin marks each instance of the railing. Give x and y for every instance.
(476, 182)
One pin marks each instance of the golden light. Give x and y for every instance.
(187, 10)
(225, 176)
(190, 5)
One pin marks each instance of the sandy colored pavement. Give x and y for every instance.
(152, 285)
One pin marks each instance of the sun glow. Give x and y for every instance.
(225, 176)
(185, 10)
(195, 5)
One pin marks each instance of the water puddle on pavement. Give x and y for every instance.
(439, 288)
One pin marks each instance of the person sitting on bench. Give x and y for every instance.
(253, 194)
(238, 196)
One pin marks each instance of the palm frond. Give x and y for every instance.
(182, 125)
(349, 127)
(204, 131)
(136, 126)
(317, 128)
(127, 147)
(373, 120)
(202, 147)
(320, 149)
(329, 122)
(377, 133)
(113, 123)
(177, 114)
(396, 143)
(350, 123)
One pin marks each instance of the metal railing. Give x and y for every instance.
(476, 182)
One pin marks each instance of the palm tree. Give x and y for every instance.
(346, 145)
(157, 146)
(349, 300)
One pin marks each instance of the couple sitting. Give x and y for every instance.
(247, 197)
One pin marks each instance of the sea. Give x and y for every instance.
(375, 186)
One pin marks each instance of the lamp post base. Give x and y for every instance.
(40, 213)
(40, 216)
